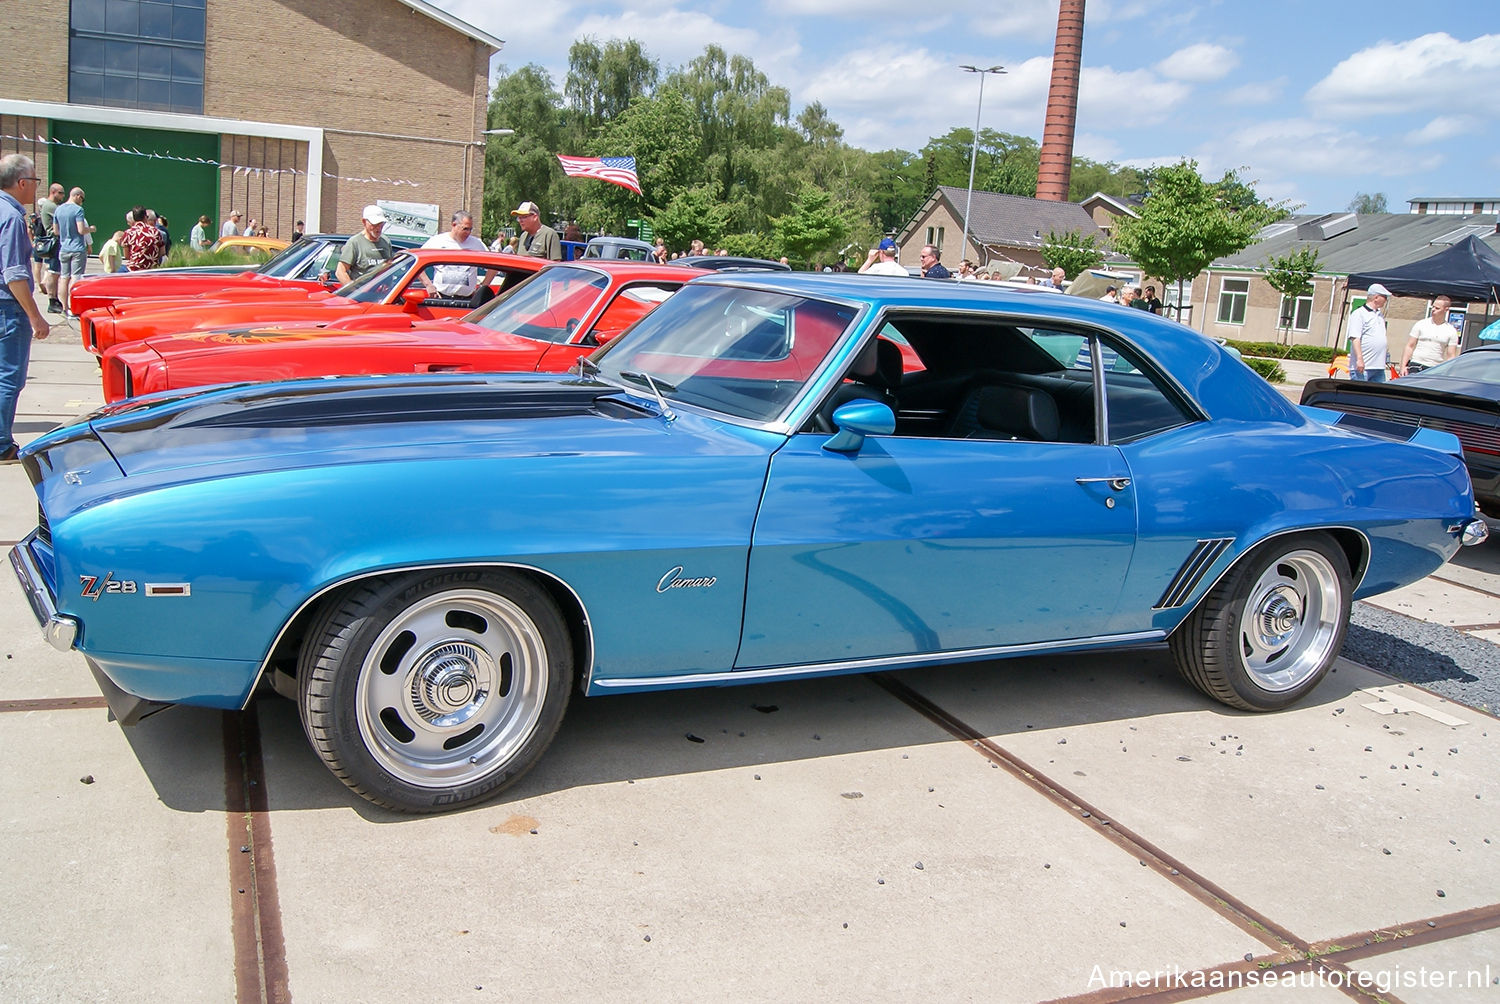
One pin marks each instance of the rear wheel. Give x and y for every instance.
(431, 691)
(1269, 631)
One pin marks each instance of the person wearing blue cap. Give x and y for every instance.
(886, 252)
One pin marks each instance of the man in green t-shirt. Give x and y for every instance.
(539, 240)
(365, 251)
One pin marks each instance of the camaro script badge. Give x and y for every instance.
(674, 580)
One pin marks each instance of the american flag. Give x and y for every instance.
(615, 170)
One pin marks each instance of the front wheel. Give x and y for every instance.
(432, 691)
(1269, 631)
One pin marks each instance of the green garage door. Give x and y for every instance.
(114, 182)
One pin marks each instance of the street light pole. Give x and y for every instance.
(974, 148)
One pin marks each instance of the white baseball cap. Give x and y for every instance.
(372, 214)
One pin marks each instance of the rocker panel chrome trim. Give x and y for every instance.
(883, 662)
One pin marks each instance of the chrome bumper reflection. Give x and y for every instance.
(1475, 531)
(60, 630)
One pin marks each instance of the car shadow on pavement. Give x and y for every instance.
(620, 739)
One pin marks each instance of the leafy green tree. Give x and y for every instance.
(660, 132)
(1291, 275)
(1364, 202)
(603, 80)
(1186, 223)
(693, 213)
(520, 167)
(1091, 176)
(1074, 252)
(813, 227)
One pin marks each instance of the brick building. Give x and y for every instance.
(282, 109)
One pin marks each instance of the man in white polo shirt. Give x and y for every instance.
(1367, 341)
(456, 280)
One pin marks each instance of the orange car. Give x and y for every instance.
(419, 283)
(541, 325)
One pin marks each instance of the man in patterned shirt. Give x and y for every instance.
(142, 242)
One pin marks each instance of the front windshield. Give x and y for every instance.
(1482, 366)
(548, 306)
(289, 259)
(743, 352)
(377, 286)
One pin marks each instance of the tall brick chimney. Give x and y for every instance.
(1056, 168)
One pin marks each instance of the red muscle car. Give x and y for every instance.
(307, 264)
(543, 324)
(420, 283)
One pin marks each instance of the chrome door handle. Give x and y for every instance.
(1118, 484)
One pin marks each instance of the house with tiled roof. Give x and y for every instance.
(1003, 228)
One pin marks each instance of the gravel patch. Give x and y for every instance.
(1460, 667)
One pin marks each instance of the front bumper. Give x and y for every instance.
(60, 630)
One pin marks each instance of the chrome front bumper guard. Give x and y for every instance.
(60, 630)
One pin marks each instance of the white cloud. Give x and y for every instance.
(1304, 147)
(1199, 63)
(674, 37)
(1434, 71)
(1260, 92)
(1444, 127)
(1095, 147)
(1106, 94)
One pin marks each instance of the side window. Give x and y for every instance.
(1234, 294)
(1136, 406)
(955, 378)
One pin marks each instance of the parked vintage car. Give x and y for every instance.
(741, 487)
(303, 265)
(543, 324)
(386, 291)
(731, 263)
(1460, 395)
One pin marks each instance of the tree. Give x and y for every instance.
(813, 226)
(603, 81)
(1186, 223)
(661, 133)
(1291, 275)
(520, 167)
(1073, 252)
(1365, 203)
(692, 213)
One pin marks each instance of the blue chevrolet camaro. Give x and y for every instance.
(770, 476)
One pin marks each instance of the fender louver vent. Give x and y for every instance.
(43, 528)
(1192, 571)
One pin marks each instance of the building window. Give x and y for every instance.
(137, 54)
(1234, 294)
(935, 237)
(1297, 316)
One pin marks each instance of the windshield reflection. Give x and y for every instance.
(743, 352)
(378, 285)
(548, 306)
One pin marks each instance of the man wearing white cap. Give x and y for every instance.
(1367, 341)
(365, 251)
(540, 240)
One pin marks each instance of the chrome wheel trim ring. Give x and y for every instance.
(1291, 620)
(476, 661)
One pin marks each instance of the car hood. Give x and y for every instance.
(326, 423)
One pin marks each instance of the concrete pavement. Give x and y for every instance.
(1011, 831)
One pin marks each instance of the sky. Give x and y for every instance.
(1313, 101)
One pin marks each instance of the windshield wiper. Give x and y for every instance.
(641, 375)
(586, 366)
